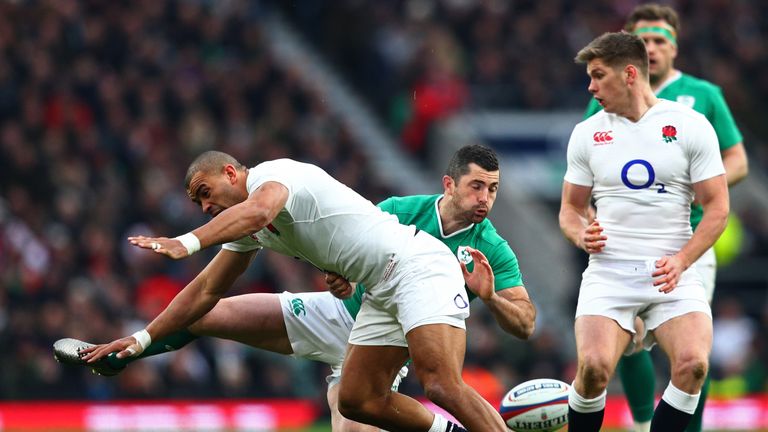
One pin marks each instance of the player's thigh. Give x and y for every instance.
(685, 336)
(252, 319)
(339, 423)
(600, 341)
(437, 349)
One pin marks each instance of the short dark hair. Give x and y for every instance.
(210, 162)
(653, 12)
(616, 50)
(478, 154)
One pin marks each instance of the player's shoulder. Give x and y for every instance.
(678, 109)
(597, 118)
(587, 127)
(487, 234)
(410, 200)
(691, 82)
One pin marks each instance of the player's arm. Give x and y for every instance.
(713, 195)
(194, 301)
(511, 307)
(236, 222)
(245, 218)
(735, 162)
(513, 311)
(575, 221)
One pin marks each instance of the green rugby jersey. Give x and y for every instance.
(707, 99)
(422, 211)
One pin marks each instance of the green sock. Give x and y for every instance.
(172, 342)
(639, 379)
(697, 420)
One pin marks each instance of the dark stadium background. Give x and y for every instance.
(103, 104)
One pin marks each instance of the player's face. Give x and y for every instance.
(661, 51)
(608, 86)
(473, 196)
(215, 192)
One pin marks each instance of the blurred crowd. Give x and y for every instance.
(499, 54)
(104, 104)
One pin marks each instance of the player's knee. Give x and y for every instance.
(440, 389)
(691, 366)
(595, 373)
(357, 408)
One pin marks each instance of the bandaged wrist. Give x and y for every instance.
(190, 241)
(142, 338)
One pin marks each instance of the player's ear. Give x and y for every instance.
(630, 73)
(448, 184)
(231, 172)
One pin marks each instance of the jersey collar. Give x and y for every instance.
(440, 221)
(675, 76)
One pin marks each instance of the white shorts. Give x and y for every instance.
(318, 327)
(706, 265)
(422, 286)
(623, 290)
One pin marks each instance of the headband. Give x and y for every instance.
(663, 31)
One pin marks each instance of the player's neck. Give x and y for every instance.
(662, 82)
(640, 105)
(449, 222)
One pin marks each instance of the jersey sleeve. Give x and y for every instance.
(280, 171)
(245, 244)
(704, 152)
(388, 205)
(722, 120)
(593, 107)
(578, 171)
(506, 270)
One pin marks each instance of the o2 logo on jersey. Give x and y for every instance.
(651, 176)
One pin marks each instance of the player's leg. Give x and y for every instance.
(707, 267)
(600, 342)
(339, 423)
(253, 319)
(687, 340)
(638, 378)
(437, 351)
(365, 393)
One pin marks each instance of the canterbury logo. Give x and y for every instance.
(602, 137)
(298, 307)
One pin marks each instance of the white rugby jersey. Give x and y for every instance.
(325, 223)
(641, 176)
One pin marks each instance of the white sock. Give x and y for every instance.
(438, 424)
(643, 426)
(583, 405)
(680, 400)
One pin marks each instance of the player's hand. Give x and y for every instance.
(162, 245)
(592, 238)
(481, 280)
(338, 286)
(668, 272)
(125, 347)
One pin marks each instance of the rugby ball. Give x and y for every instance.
(539, 405)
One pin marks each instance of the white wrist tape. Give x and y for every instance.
(190, 241)
(143, 338)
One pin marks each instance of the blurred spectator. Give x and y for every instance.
(437, 92)
(733, 334)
